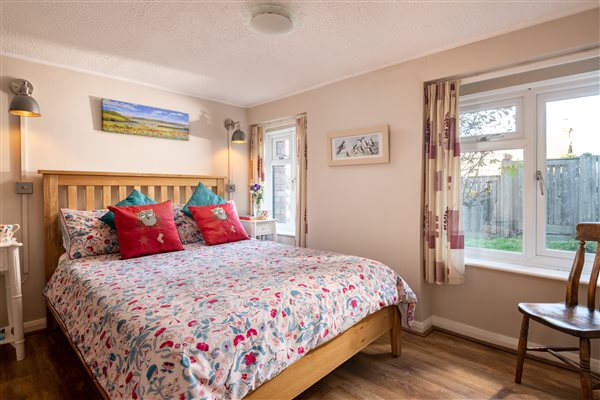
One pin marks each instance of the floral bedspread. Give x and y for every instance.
(213, 322)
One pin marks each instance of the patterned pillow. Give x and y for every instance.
(147, 229)
(85, 235)
(219, 223)
(186, 226)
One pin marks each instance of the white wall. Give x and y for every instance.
(69, 136)
(375, 210)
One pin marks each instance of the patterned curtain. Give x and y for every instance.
(301, 222)
(257, 156)
(442, 225)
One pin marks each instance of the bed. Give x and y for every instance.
(248, 319)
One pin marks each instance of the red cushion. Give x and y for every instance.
(147, 229)
(219, 223)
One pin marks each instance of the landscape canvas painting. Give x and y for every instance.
(136, 119)
(360, 146)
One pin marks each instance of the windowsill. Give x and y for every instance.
(539, 272)
(284, 233)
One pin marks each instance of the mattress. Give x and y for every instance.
(213, 321)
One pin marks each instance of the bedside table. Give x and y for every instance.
(260, 227)
(11, 269)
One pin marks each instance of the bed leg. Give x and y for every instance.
(396, 332)
(51, 324)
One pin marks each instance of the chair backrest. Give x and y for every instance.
(586, 232)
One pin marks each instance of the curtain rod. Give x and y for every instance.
(516, 64)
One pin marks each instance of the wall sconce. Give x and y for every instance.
(238, 136)
(23, 104)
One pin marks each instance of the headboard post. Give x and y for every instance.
(52, 245)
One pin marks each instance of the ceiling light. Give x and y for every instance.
(271, 19)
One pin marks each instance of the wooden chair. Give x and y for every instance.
(569, 317)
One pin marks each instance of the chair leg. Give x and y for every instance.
(522, 349)
(584, 364)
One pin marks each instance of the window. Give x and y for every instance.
(280, 179)
(530, 168)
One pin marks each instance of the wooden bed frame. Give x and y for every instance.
(93, 190)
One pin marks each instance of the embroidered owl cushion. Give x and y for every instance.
(146, 229)
(219, 223)
(202, 196)
(135, 198)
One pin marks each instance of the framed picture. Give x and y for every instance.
(135, 119)
(359, 146)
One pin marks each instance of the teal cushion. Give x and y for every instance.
(135, 198)
(202, 196)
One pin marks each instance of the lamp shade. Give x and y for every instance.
(23, 104)
(239, 136)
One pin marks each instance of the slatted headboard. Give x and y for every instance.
(94, 190)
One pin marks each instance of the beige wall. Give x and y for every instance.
(375, 210)
(69, 137)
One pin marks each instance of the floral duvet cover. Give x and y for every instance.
(213, 321)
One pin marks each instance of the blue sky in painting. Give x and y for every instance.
(137, 110)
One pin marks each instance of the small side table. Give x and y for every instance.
(11, 269)
(260, 227)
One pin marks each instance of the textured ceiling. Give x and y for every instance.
(207, 49)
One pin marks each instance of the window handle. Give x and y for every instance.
(540, 179)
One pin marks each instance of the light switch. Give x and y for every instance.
(24, 187)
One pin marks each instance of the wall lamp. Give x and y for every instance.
(238, 136)
(23, 104)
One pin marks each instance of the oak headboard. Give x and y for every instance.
(84, 190)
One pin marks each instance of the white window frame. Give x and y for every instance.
(479, 103)
(271, 135)
(530, 137)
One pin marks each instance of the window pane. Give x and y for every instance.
(492, 192)
(489, 121)
(282, 193)
(572, 169)
(281, 149)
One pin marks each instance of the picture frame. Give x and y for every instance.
(136, 119)
(359, 146)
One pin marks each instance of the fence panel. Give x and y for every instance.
(494, 208)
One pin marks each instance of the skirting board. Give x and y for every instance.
(35, 325)
(482, 335)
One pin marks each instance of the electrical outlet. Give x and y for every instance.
(24, 187)
(231, 188)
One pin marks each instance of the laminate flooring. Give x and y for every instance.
(438, 366)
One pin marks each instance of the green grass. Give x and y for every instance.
(515, 244)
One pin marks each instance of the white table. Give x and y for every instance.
(260, 227)
(10, 267)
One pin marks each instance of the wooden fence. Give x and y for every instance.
(572, 193)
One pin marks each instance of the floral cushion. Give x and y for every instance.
(85, 235)
(186, 226)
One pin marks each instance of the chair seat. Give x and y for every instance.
(577, 321)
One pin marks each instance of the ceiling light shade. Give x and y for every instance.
(271, 19)
(239, 136)
(23, 104)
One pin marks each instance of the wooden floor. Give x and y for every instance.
(439, 366)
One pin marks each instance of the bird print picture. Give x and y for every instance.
(360, 146)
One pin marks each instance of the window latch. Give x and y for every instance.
(540, 179)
